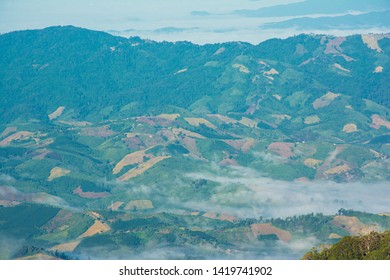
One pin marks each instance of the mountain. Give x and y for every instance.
(211, 151)
(309, 7)
(347, 22)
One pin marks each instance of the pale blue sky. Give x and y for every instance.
(145, 17)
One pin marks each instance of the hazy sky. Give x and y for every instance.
(145, 18)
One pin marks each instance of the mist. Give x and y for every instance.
(200, 21)
(247, 194)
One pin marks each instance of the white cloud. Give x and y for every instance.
(245, 193)
(144, 17)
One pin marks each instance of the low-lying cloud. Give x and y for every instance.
(245, 193)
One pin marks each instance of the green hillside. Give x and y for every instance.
(127, 143)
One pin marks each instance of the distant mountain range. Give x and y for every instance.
(310, 7)
(348, 22)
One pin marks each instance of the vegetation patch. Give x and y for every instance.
(373, 246)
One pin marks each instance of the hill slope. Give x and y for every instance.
(122, 138)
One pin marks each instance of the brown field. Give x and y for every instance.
(75, 123)
(325, 100)
(79, 191)
(178, 131)
(115, 206)
(328, 161)
(338, 66)
(221, 217)
(277, 97)
(8, 131)
(139, 205)
(385, 214)
(376, 154)
(265, 229)
(199, 121)
(8, 203)
(378, 69)
(94, 215)
(224, 119)
(56, 113)
(42, 153)
(181, 71)
(140, 169)
(302, 180)
(228, 161)
(57, 172)
(39, 256)
(21, 135)
(282, 148)
(333, 46)
(190, 144)
(171, 117)
(334, 236)
(263, 63)
(350, 128)
(353, 225)
(219, 51)
(145, 120)
(281, 117)
(312, 119)
(241, 68)
(337, 170)
(271, 72)
(248, 122)
(97, 227)
(371, 40)
(312, 163)
(66, 247)
(377, 122)
(130, 159)
(242, 144)
(60, 219)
